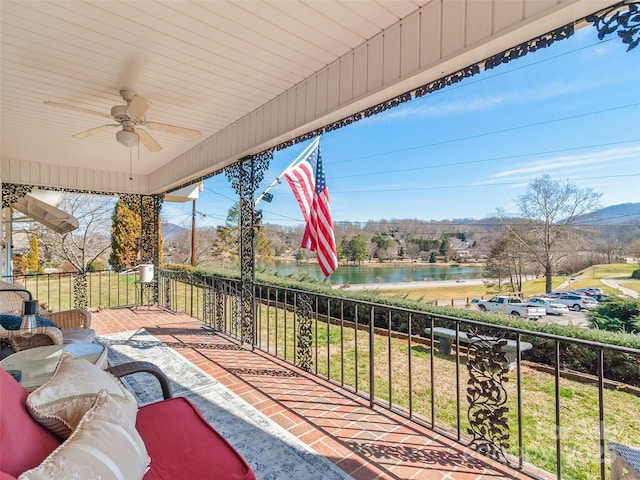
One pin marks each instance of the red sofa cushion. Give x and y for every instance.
(182, 444)
(25, 443)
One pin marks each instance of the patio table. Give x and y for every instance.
(36, 365)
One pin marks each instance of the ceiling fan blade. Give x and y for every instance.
(148, 141)
(138, 106)
(93, 131)
(165, 127)
(76, 109)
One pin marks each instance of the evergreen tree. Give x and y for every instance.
(444, 246)
(125, 232)
(31, 259)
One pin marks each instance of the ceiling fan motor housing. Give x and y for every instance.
(119, 112)
(130, 116)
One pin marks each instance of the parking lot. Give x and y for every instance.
(577, 319)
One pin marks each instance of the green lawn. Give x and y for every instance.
(104, 290)
(345, 359)
(589, 277)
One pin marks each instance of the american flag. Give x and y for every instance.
(308, 181)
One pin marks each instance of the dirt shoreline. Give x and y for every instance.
(411, 285)
(395, 264)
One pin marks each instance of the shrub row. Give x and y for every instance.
(622, 367)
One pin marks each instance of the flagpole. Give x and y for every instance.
(310, 147)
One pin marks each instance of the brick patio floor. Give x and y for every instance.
(366, 443)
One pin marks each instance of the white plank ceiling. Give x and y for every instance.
(238, 71)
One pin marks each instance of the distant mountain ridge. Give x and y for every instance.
(623, 213)
(171, 230)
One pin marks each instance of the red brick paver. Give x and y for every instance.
(366, 443)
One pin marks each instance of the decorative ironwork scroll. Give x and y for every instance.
(80, 291)
(448, 80)
(245, 177)
(237, 319)
(167, 291)
(487, 364)
(12, 192)
(208, 302)
(304, 316)
(148, 207)
(532, 45)
(218, 288)
(623, 18)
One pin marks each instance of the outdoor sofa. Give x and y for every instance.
(54, 328)
(179, 442)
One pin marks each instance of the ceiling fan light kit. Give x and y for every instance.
(128, 138)
(130, 117)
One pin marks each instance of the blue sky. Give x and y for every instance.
(571, 111)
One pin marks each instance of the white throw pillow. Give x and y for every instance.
(105, 445)
(62, 401)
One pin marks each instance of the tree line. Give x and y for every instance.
(546, 233)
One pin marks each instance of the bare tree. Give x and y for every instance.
(634, 250)
(610, 250)
(90, 240)
(509, 260)
(551, 211)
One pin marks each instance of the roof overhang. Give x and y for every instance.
(249, 75)
(48, 215)
(184, 194)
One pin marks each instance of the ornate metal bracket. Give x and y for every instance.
(623, 18)
(12, 192)
(487, 364)
(532, 45)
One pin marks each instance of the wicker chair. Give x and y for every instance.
(72, 326)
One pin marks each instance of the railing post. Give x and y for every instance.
(372, 373)
(245, 177)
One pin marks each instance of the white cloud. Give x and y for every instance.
(564, 162)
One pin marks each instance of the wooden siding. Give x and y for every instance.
(440, 38)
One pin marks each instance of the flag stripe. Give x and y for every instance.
(301, 182)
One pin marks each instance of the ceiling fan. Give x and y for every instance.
(130, 117)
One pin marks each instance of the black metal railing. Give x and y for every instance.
(59, 292)
(535, 417)
(465, 379)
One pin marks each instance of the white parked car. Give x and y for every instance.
(577, 302)
(551, 305)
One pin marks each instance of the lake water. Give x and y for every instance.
(372, 274)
